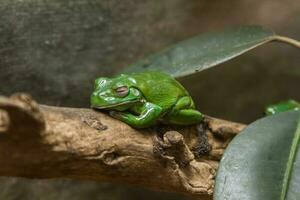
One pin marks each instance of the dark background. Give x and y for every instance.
(53, 49)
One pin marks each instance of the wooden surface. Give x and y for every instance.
(57, 142)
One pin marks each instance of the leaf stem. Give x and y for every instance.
(287, 40)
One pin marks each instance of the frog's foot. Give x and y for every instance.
(184, 117)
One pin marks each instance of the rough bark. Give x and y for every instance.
(38, 141)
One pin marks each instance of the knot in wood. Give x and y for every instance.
(173, 138)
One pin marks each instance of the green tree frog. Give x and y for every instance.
(143, 99)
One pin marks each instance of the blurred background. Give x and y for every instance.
(54, 49)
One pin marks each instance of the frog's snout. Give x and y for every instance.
(94, 100)
(100, 100)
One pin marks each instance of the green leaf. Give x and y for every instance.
(263, 162)
(282, 106)
(207, 50)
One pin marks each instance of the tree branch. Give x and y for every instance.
(38, 141)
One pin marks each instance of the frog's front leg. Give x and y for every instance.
(149, 113)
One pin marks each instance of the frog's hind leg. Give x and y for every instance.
(185, 102)
(184, 113)
(184, 117)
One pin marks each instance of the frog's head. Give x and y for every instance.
(114, 93)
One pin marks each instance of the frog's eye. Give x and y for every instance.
(122, 91)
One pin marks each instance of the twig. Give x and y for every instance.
(39, 141)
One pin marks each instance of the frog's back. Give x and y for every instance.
(159, 88)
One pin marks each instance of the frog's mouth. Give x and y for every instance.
(115, 105)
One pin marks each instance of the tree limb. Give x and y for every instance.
(38, 141)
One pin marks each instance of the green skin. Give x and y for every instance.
(143, 99)
(282, 107)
